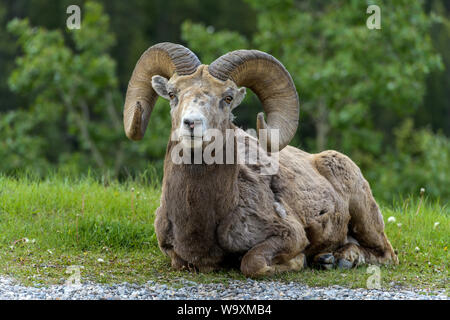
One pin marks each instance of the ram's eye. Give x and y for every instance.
(228, 99)
(171, 95)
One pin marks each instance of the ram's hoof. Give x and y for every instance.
(324, 261)
(344, 264)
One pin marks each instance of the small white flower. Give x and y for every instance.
(399, 225)
(100, 260)
(422, 191)
(49, 251)
(391, 219)
(417, 249)
(436, 224)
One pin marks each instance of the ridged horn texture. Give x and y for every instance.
(271, 82)
(162, 59)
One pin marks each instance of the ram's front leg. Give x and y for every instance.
(164, 234)
(281, 252)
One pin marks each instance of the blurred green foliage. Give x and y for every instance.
(379, 96)
(75, 104)
(418, 159)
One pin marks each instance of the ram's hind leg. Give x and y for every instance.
(279, 253)
(352, 255)
(367, 227)
(366, 222)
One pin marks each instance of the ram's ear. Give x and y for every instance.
(159, 84)
(240, 95)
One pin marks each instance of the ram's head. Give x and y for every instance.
(202, 97)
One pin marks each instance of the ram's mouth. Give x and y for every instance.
(191, 141)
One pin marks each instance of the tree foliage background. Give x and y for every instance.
(380, 96)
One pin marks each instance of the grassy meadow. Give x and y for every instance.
(107, 228)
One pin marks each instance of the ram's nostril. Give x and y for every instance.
(191, 122)
(188, 122)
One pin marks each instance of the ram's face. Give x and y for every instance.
(203, 96)
(199, 104)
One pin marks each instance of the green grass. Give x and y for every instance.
(48, 225)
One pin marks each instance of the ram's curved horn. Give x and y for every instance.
(162, 59)
(271, 82)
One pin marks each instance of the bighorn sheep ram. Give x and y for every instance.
(316, 209)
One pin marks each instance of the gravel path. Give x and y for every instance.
(249, 289)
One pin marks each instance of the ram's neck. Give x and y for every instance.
(196, 197)
(201, 190)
